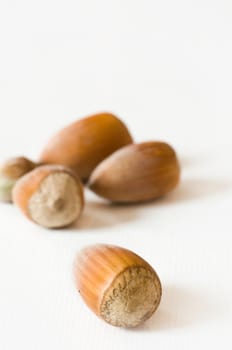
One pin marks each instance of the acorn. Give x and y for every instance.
(117, 285)
(136, 173)
(51, 196)
(10, 171)
(86, 142)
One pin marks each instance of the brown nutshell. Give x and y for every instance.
(16, 167)
(10, 171)
(51, 196)
(136, 173)
(118, 285)
(83, 144)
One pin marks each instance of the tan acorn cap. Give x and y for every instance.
(51, 196)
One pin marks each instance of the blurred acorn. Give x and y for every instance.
(136, 173)
(86, 142)
(10, 171)
(51, 196)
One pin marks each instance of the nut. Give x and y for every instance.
(86, 142)
(117, 285)
(51, 196)
(10, 171)
(136, 173)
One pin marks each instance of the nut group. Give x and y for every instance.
(98, 151)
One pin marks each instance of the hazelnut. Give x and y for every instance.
(86, 142)
(51, 196)
(136, 173)
(10, 171)
(117, 285)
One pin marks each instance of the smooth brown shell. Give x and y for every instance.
(136, 173)
(97, 267)
(86, 142)
(30, 183)
(10, 171)
(14, 168)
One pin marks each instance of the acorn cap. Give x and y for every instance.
(117, 285)
(85, 143)
(51, 196)
(136, 173)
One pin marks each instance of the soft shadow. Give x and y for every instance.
(194, 189)
(181, 308)
(101, 214)
(193, 160)
(98, 215)
(7, 203)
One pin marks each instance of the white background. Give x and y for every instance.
(165, 67)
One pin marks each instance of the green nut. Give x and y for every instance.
(6, 186)
(10, 171)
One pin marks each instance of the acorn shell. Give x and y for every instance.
(14, 168)
(10, 171)
(50, 195)
(136, 173)
(86, 142)
(117, 285)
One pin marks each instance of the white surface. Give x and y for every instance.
(165, 67)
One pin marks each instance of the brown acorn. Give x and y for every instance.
(51, 196)
(136, 173)
(118, 286)
(10, 171)
(86, 142)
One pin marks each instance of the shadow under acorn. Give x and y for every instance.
(99, 213)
